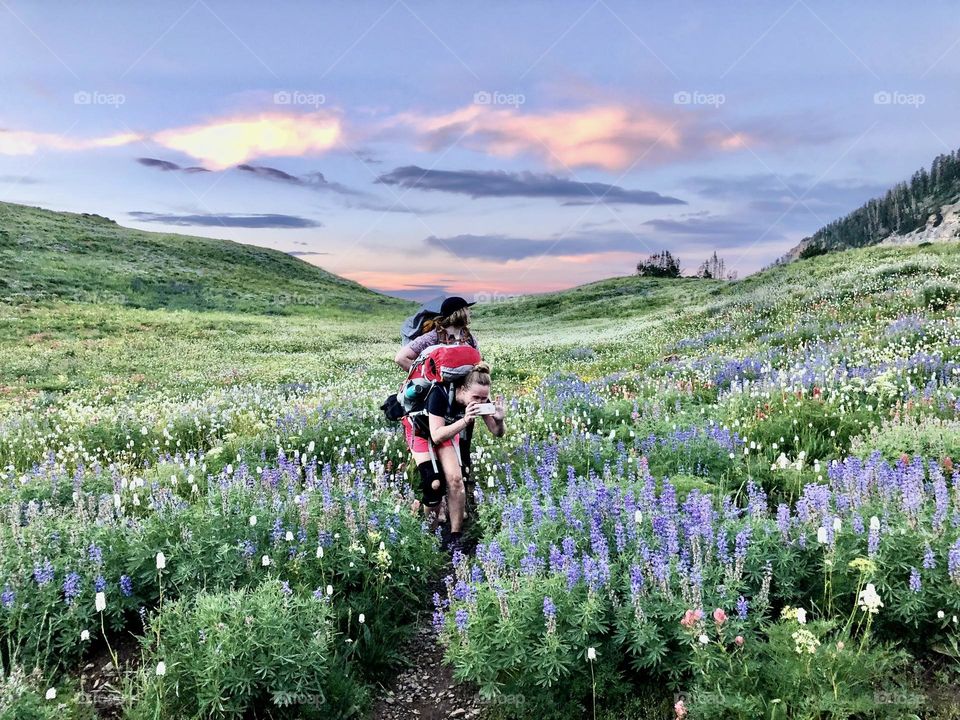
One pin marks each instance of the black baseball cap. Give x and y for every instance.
(452, 304)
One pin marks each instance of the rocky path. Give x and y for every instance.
(426, 690)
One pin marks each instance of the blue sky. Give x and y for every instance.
(483, 149)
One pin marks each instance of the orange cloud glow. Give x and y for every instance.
(611, 137)
(223, 143)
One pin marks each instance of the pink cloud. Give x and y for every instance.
(28, 142)
(611, 137)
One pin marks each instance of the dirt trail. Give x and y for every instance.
(426, 690)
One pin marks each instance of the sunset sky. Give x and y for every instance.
(424, 147)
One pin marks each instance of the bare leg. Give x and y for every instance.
(455, 492)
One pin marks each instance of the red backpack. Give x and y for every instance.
(436, 365)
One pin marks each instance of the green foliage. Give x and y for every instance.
(662, 265)
(793, 671)
(25, 696)
(227, 654)
(913, 435)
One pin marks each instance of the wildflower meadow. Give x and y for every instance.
(714, 500)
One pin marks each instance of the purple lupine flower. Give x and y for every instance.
(319, 594)
(126, 585)
(476, 574)
(596, 571)
(783, 519)
(277, 532)
(495, 555)
(723, 550)
(95, 554)
(71, 587)
(556, 559)
(100, 583)
(549, 609)
(741, 543)
(462, 618)
(941, 497)
(873, 542)
(7, 597)
(953, 562)
(285, 588)
(757, 503)
(636, 580)
(43, 574)
(661, 568)
(914, 580)
(929, 559)
(742, 607)
(249, 549)
(438, 619)
(530, 564)
(464, 592)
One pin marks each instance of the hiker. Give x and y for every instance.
(450, 327)
(445, 422)
(448, 324)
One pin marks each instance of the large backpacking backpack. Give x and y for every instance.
(421, 322)
(438, 366)
(436, 369)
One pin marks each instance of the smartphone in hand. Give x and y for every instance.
(486, 408)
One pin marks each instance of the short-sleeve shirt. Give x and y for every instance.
(418, 345)
(437, 404)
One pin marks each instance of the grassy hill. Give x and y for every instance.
(89, 258)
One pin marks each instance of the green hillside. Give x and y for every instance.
(89, 258)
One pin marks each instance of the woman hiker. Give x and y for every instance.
(452, 327)
(444, 424)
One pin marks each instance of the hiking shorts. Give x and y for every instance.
(421, 444)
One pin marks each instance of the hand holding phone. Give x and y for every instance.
(487, 408)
